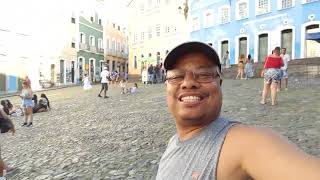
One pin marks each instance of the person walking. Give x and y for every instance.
(249, 68)
(272, 76)
(105, 76)
(27, 104)
(27, 80)
(150, 74)
(241, 67)
(284, 69)
(225, 60)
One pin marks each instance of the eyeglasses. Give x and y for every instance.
(203, 75)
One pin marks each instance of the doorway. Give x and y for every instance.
(263, 47)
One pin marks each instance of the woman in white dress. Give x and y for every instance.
(86, 83)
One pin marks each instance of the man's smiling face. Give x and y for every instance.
(192, 102)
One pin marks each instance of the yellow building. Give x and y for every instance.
(155, 28)
(116, 48)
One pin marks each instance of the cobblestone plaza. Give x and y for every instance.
(124, 136)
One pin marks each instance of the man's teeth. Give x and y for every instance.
(190, 99)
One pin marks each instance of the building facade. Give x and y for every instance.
(15, 63)
(255, 27)
(45, 54)
(90, 56)
(116, 48)
(156, 26)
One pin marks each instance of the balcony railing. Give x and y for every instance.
(124, 55)
(93, 49)
(83, 46)
(100, 50)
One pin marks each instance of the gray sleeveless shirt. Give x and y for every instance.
(195, 158)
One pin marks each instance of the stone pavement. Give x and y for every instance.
(124, 136)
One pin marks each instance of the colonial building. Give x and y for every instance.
(44, 52)
(256, 27)
(155, 27)
(116, 48)
(15, 63)
(91, 48)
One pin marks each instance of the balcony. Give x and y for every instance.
(110, 52)
(100, 50)
(93, 49)
(83, 46)
(124, 55)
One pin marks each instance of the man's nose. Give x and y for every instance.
(189, 81)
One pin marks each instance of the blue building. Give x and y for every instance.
(257, 26)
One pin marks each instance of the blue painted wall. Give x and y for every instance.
(273, 22)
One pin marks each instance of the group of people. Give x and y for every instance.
(245, 67)
(153, 74)
(107, 78)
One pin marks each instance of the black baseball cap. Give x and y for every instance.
(191, 47)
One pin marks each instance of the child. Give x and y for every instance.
(134, 88)
(123, 86)
(86, 83)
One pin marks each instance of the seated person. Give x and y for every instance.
(43, 104)
(134, 88)
(35, 100)
(9, 109)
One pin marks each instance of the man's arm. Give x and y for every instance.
(267, 155)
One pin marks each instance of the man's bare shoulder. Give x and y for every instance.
(264, 154)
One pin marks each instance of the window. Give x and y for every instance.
(142, 36)
(113, 25)
(108, 45)
(91, 18)
(208, 19)
(135, 62)
(100, 22)
(73, 20)
(113, 45)
(167, 29)
(150, 32)
(141, 8)
(113, 65)
(118, 28)
(119, 47)
(100, 43)
(262, 6)
(92, 41)
(195, 24)
(82, 38)
(73, 45)
(158, 29)
(309, 1)
(135, 39)
(242, 9)
(224, 14)
(286, 4)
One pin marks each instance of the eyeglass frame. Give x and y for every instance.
(215, 75)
